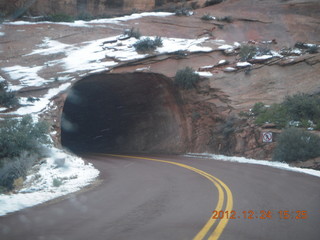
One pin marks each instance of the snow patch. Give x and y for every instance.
(204, 74)
(276, 54)
(273, 164)
(27, 76)
(263, 57)
(124, 50)
(243, 64)
(61, 168)
(41, 104)
(81, 23)
(225, 47)
(49, 47)
(230, 69)
(222, 62)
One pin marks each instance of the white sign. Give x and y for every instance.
(267, 137)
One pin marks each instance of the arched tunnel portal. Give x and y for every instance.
(124, 113)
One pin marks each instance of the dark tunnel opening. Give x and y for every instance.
(123, 113)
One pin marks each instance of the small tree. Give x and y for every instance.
(20, 146)
(258, 108)
(276, 114)
(132, 32)
(303, 106)
(296, 145)
(186, 78)
(17, 136)
(7, 98)
(247, 52)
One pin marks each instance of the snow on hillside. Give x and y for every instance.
(58, 175)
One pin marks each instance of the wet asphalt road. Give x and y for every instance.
(143, 199)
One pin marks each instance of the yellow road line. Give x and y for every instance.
(219, 185)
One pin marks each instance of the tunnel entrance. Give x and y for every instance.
(122, 113)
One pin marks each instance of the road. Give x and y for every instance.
(174, 198)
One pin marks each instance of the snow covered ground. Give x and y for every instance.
(58, 175)
(273, 164)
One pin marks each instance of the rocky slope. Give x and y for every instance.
(208, 115)
(92, 7)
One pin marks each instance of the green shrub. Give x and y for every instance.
(57, 182)
(276, 114)
(17, 136)
(132, 32)
(247, 52)
(147, 44)
(296, 145)
(207, 17)
(301, 109)
(186, 78)
(15, 168)
(195, 5)
(229, 126)
(227, 19)
(212, 2)
(313, 49)
(85, 16)
(258, 108)
(60, 17)
(20, 145)
(183, 12)
(7, 98)
(302, 106)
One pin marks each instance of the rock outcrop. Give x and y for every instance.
(76, 7)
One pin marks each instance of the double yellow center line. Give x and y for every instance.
(225, 199)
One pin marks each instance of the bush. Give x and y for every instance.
(313, 49)
(300, 109)
(85, 16)
(258, 108)
(60, 17)
(227, 19)
(7, 98)
(183, 12)
(20, 146)
(302, 106)
(296, 145)
(147, 44)
(229, 126)
(247, 52)
(207, 17)
(212, 2)
(15, 168)
(132, 32)
(186, 78)
(17, 136)
(276, 114)
(57, 182)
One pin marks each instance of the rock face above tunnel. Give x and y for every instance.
(132, 112)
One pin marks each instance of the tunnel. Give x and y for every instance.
(124, 113)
